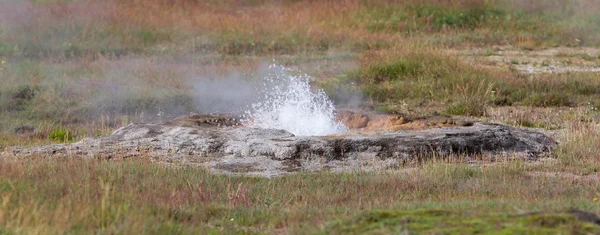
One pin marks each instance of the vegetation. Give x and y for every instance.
(72, 69)
(146, 48)
(446, 222)
(118, 28)
(61, 135)
(464, 89)
(75, 196)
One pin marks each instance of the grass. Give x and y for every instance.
(425, 77)
(61, 134)
(75, 69)
(446, 222)
(578, 151)
(115, 49)
(73, 196)
(117, 28)
(420, 75)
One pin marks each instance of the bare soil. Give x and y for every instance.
(534, 61)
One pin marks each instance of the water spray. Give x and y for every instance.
(289, 103)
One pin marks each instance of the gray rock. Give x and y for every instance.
(231, 148)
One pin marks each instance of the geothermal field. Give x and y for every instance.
(299, 117)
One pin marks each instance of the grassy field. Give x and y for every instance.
(78, 196)
(71, 69)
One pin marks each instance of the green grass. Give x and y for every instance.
(497, 22)
(419, 76)
(566, 89)
(80, 93)
(457, 88)
(429, 17)
(78, 69)
(81, 196)
(233, 43)
(61, 135)
(447, 222)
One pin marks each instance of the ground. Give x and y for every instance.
(75, 69)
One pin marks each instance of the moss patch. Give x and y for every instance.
(447, 222)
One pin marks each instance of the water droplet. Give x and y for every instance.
(289, 103)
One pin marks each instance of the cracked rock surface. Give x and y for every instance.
(221, 144)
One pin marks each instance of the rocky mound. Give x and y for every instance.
(221, 143)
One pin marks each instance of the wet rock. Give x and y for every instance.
(586, 216)
(220, 143)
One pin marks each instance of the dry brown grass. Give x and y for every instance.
(78, 196)
(117, 28)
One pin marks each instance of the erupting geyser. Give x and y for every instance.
(284, 133)
(289, 103)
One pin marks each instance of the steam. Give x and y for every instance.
(230, 94)
(289, 103)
